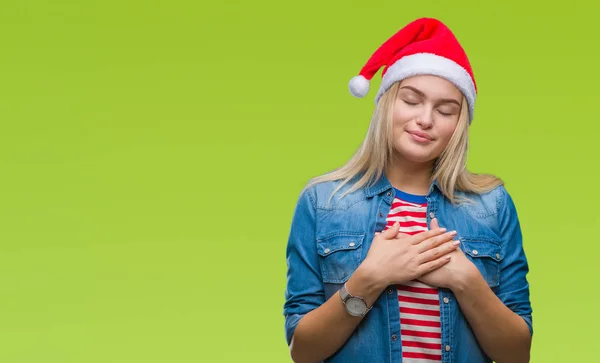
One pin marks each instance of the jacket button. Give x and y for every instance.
(446, 300)
(390, 291)
(327, 250)
(475, 252)
(447, 348)
(394, 337)
(389, 194)
(497, 255)
(380, 215)
(432, 215)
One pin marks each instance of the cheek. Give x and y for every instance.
(446, 131)
(401, 115)
(399, 124)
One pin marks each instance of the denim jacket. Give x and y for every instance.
(327, 242)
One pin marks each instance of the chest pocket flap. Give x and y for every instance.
(340, 255)
(486, 255)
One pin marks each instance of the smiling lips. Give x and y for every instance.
(420, 136)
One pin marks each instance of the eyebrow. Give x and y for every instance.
(445, 100)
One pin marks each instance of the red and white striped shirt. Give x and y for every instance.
(418, 303)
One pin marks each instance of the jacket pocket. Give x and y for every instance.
(340, 255)
(486, 255)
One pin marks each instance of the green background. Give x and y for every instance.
(151, 155)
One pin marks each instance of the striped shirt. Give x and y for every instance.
(418, 303)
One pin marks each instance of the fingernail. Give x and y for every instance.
(396, 224)
(448, 258)
(455, 243)
(452, 233)
(443, 229)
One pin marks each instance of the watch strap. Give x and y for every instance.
(344, 294)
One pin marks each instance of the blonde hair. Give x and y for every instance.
(374, 156)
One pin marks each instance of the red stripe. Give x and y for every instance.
(419, 311)
(434, 324)
(422, 356)
(410, 343)
(405, 213)
(400, 209)
(405, 232)
(422, 334)
(417, 300)
(405, 222)
(408, 224)
(420, 290)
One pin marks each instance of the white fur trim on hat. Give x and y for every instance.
(359, 86)
(430, 64)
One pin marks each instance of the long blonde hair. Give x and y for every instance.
(374, 156)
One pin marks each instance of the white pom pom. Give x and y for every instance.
(359, 86)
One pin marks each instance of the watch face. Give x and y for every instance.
(355, 306)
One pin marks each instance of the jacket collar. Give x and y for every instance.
(382, 185)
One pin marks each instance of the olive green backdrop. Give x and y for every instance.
(151, 154)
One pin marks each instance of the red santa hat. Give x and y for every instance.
(423, 47)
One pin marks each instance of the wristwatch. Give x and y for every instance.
(355, 305)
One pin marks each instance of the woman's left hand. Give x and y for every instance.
(458, 272)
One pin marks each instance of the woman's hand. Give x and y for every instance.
(457, 271)
(395, 258)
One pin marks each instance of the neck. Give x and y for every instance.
(410, 177)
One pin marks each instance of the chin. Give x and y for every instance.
(418, 158)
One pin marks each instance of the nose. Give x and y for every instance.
(425, 119)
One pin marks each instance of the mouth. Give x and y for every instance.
(420, 136)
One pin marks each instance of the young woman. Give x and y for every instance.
(402, 255)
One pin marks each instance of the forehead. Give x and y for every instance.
(432, 86)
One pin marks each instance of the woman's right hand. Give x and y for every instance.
(396, 258)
